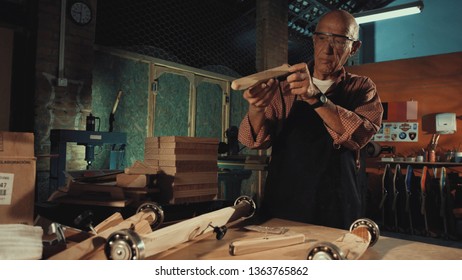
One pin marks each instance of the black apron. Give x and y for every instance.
(308, 179)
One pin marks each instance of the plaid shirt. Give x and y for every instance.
(361, 116)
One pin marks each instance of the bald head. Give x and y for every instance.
(330, 58)
(340, 19)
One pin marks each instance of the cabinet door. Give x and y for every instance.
(188, 104)
(210, 109)
(171, 112)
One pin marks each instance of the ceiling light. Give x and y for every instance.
(389, 12)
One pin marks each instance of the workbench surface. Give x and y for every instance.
(207, 247)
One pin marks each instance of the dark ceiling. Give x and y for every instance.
(304, 14)
(208, 33)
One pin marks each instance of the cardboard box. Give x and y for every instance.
(17, 178)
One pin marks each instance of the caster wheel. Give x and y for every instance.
(371, 226)
(124, 245)
(325, 251)
(153, 207)
(246, 199)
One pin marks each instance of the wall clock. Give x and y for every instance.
(80, 13)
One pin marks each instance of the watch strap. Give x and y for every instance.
(320, 97)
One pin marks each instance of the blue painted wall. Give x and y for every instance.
(111, 74)
(209, 100)
(172, 106)
(436, 30)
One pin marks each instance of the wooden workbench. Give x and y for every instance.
(386, 248)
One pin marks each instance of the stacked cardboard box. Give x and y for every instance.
(188, 170)
(17, 178)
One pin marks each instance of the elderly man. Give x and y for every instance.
(316, 122)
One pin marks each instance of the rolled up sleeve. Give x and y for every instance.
(248, 138)
(361, 124)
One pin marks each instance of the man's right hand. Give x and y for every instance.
(260, 96)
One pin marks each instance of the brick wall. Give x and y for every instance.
(61, 107)
(272, 34)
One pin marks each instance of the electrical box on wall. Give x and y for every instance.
(446, 123)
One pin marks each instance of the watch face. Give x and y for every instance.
(80, 13)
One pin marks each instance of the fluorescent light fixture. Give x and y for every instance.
(389, 12)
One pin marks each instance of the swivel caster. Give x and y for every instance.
(220, 231)
(85, 220)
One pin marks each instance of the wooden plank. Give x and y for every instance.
(136, 192)
(95, 202)
(174, 194)
(260, 77)
(265, 242)
(188, 178)
(151, 140)
(109, 222)
(105, 191)
(182, 151)
(139, 164)
(181, 145)
(152, 162)
(150, 170)
(208, 167)
(132, 181)
(140, 167)
(91, 194)
(193, 199)
(185, 163)
(193, 193)
(172, 151)
(175, 157)
(187, 191)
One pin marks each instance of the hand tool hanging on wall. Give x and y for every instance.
(114, 109)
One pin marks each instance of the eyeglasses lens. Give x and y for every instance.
(338, 42)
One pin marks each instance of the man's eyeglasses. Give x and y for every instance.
(338, 41)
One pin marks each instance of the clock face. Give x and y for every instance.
(80, 13)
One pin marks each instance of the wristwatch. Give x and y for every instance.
(322, 99)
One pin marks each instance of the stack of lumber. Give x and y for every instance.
(188, 170)
(92, 187)
(136, 176)
(137, 180)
